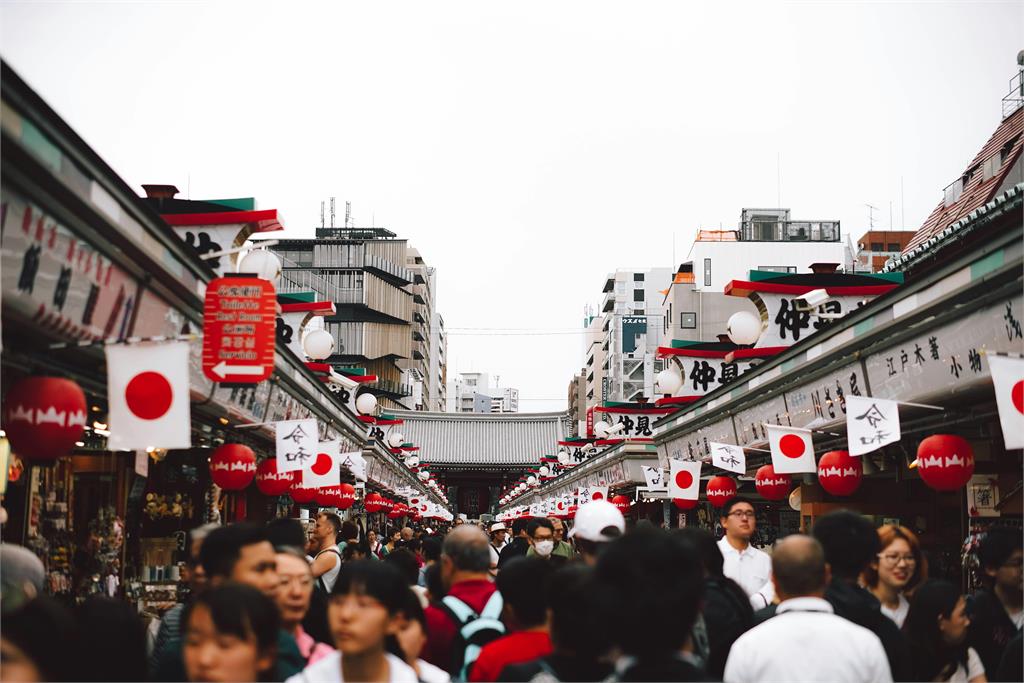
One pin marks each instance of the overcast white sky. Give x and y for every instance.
(527, 149)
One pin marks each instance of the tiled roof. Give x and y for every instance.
(482, 439)
(978, 191)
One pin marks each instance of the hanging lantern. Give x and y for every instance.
(318, 344)
(622, 503)
(771, 486)
(563, 457)
(398, 512)
(373, 502)
(270, 482)
(423, 475)
(945, 461)
(44, 417)
(300, 494)
(720, 490)
(233, 466)
(545, 471)
(668, 381)
(839, 473)
(347, 496)
(366, 403)
(328, 496)
(396, 439)
(263, 263)
(387, 505)
(685, 503)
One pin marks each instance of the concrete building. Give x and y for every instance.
(472, 392)
(577, 400)
(594, 347)
(875, 247)
(438, 368)
(694, 314)
(767, 239)
(383, 293)
(633, 326)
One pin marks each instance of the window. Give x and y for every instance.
(688, 321)
(638, 311)
(893, 246)
(638, 295)
(707, 272)
(876, 246)
(638, 277)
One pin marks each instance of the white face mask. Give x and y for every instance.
(544, 548)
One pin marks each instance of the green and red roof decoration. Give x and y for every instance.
(836, 284)
(631, 408)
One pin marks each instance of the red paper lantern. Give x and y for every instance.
(945, 461)
(720, 490)
(328, 496)
(233, 466)
(839, 473)
(348, 496)
(373, 502)
(622, 503)
(771, 486)
(571, 512)
(270, 482)
(300, 494)
(685, 503)
(44, 417)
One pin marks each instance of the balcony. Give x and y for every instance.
(295, 278)
(789, 231)
(417, 335)
(387, 268)
(392, 389)
(608, 303)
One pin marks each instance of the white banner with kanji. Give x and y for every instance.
(297, 443)
(871, 423)
(728, 457)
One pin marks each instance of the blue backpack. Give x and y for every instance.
(474, 631)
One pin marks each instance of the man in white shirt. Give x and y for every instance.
(746, 565)
(805, 640)
(498, 543)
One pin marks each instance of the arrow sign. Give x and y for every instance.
(239, 330)
(222, 369)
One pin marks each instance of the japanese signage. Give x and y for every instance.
(238, 330)
(949, 358)
(703, 375)
(788, 325)
(696, 445)
(297, 443)
(750, 422)
(823, 401)
(871, 424)
(633, 327)
(635, 425)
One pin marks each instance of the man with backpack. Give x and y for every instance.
(469, 616)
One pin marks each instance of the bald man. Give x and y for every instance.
(465, 571)
(805, 641)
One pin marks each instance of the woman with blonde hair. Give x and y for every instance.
(899, 568)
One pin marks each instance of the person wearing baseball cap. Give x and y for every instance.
(498, 541)
(597, 523)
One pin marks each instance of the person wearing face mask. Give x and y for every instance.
(542, 541)
(897, 571)
(936, 629)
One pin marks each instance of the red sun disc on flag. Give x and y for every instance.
(1017, 394)
(322, 465)
(149, 395)
(791, 445)
(684, 479)
(597, 495)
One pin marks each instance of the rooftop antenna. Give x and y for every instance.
(322, 214)
(332, 212)
(348, 214)
(871, 216)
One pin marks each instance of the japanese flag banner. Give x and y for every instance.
(870, 423)
(297, 443)
(147, 395)
(597, 493)
(325, 468)
(1008, 380)
(792, 449)
(655, 478)
(684, 479)
(356, 464)
(536, 509)
(728, 457)
(582, 495)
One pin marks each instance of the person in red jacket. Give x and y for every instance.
(465, 565)
(521, 583)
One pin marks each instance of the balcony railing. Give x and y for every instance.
(790, 231)
(1013, 100)
(296, 278)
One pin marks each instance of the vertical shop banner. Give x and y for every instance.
(147, 396)
(871, 423)
(792, 449)
(1008, 381)
(728, 457)
(297, 443)
(655, 478)
(239, 322)
(684, 480)
(325, 468)
(356, 464)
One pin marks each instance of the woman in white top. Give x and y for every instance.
(897, 571)
(936, 630)
(412, 638)
(365, 608)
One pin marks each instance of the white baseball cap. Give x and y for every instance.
(499, 526)
(598, 521)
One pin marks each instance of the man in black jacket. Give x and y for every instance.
(996, 611)
(851, 543)
(519, 544)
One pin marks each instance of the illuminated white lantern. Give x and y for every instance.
(423, 475)
(563, 457)
(318, 344)
(366, 403)
(396, 439)
(668, 381)
(601, 429)
(412, 461)
(545, 471)
(743, 328)
(531, 480)
(263, 263)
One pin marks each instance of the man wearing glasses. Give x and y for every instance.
(745, 564)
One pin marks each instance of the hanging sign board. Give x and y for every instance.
(239, 318)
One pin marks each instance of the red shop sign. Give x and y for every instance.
(239, 323)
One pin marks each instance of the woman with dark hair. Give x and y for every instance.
(365, 608)
(899, 569)
(231, 634)
(936, 628)
(111, 643)
(726, 612)
(374, 543)
(31, 631)
(294, 597)
(388, 547)
(411, 639)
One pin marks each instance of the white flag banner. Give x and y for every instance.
(582, 495)
(325, 468)
(356, 464)
(728, 457)
(562, 506)
(1008, 380)
(792, 449)
(551, 507)
(684, 480)
(871, 423)
(297, 443)
(655, 478)
(536, 509)
(598, 493)
(147, 396)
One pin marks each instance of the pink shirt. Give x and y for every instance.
(309, 648)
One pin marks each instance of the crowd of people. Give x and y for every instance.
(535, 602)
